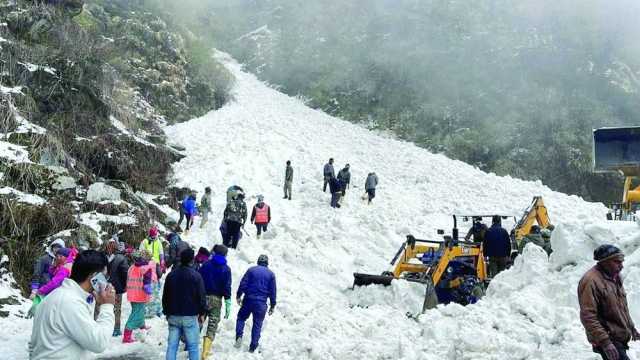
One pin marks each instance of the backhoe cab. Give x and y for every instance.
(617, 150)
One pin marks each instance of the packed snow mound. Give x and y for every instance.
(530, 311)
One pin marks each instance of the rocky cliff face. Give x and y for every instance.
(85, 89)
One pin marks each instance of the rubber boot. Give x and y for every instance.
(206, 347)
(128, 337)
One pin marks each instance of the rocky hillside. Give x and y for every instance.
(84, 90)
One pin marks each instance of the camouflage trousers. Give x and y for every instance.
(214, 304)
(154, 307)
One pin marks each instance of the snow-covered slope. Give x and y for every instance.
(530, 311)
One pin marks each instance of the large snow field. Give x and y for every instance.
(530, 311)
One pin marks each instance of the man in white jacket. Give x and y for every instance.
(63, 326)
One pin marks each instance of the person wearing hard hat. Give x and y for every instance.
(604, 312)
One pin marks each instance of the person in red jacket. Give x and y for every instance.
(261, 215)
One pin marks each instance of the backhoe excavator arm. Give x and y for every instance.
(536, 212)
(630, 196)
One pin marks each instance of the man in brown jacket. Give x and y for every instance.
(603, 305)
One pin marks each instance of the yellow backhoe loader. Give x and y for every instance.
(452, 270)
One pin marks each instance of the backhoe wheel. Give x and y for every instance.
(430, 297)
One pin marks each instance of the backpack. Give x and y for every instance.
(234, 211)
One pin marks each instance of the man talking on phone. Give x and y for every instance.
(63, 326)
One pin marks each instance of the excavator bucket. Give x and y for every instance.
(617, 150)
(367, 279)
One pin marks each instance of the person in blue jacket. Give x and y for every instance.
(217, 283)
(497, 247)
(257, 284)
(335, 186)
(189, 209)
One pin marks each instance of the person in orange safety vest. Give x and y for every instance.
(261, 215)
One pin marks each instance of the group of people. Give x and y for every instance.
(80, 314)
(339, 184)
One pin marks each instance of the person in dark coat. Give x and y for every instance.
(328, 173)
(217, 283)
(257, 285)
(497, 247)
(41, 268)
(235, 216)
(335, 186)
(176, 246)
(344, 176)
(184, 303)
(117, 271)
(477, 231)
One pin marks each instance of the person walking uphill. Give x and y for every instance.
(257, 284)
(344, 176)
(216, 275)
(261, 215)
(205, 206)
(335, 186)
(604, 311)
(190, 210)
(118, 271)
(140, 278)
(288, 180)
(63, 326)
(370, 185)
(184, 302)
(497, 247)
(235, 215)
(329, 173)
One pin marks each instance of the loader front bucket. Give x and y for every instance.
(617, 150)
(367, 279)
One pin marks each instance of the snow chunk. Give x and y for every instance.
(14, 153)
(123, 129)
(11, 90)
(64, 183)
(33, 68)
(101, 191)
(23, 197)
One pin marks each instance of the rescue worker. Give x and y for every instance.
(477, 230)
(288, 180)
(344, 176)
(604, 311)
(140, 279)
(216, 275)
(261, 216)
(184, 304)
(497, 247)
(335, 186)
(117, 270)
(257, 284)
(370, 185)
(41, 269)
(329, 173)
(63, 327)
(235, 215)
(535, 237)
(205, 206)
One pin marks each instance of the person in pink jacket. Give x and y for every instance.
(59, 272)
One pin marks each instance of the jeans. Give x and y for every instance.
(261, 228)
(188, 327)
(334, 199)
(258, 309)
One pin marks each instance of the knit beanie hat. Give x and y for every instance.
(606, 252)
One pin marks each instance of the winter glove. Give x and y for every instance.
(635, 335)
(239, 301)
(271, 309)
(227, 308)
(611, 352)
(148, 289)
